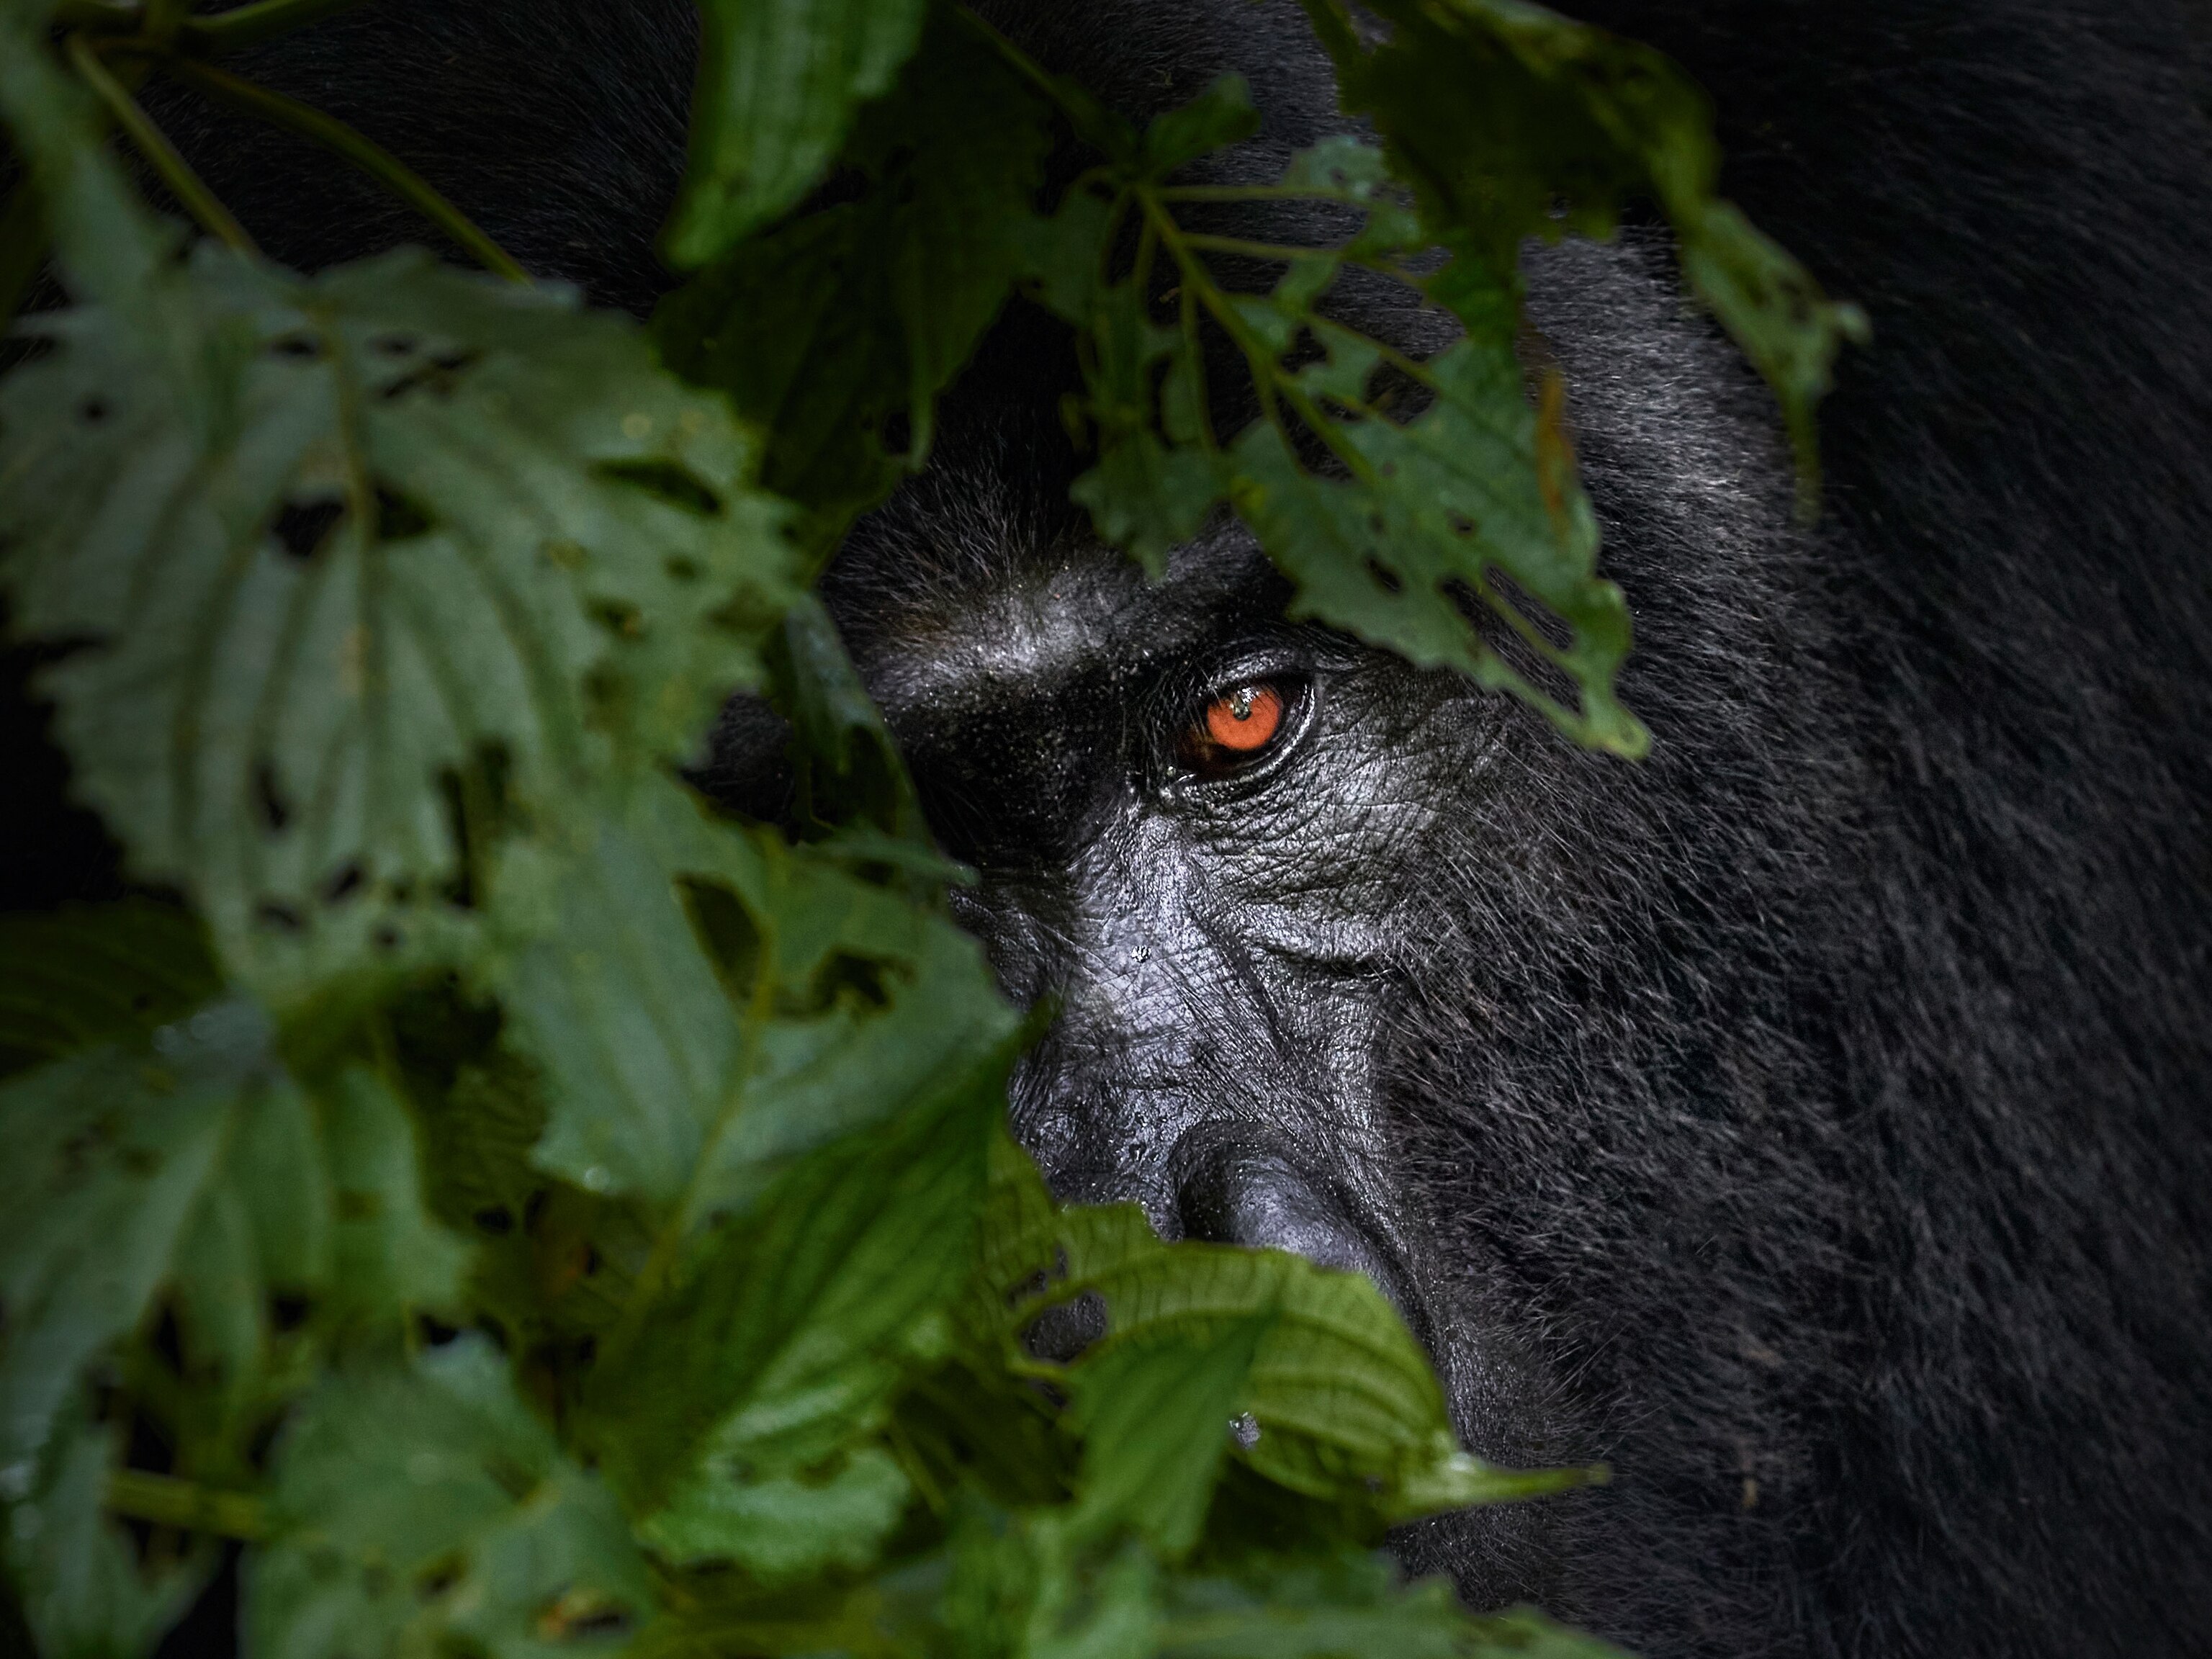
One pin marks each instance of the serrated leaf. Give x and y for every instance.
(85, 974)
(420, 1507)
(663, 1083)
(1419, 505)
(1512, 121)
(427, 528)
(199, 1166)
(836, 332)
(114, 1156)
(1146, 496)
(388, 1252)
(783, 1527)
(1440, 506)
(75, 1570)
(614, 1001)
(1346, 1407)
(779, 82)
(972, 142)
(848, 767)
(797, 328)
(1018, 1587)
(772, 1360)
(1155, 1418)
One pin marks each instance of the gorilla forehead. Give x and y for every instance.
(967, 594)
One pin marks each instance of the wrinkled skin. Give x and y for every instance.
(1810, 1121)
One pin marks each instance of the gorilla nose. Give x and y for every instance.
(1235, 1183)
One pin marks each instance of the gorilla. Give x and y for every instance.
(1813, 1120)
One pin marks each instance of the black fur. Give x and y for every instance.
(1812, 1120)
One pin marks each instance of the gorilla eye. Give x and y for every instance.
(1238, 725)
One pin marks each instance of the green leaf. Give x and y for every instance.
(1219, 115)
(1017, 1586)
(779, 82)
(116, 1160)
(1146, 495)
(1348, 1607)
(836, 332)
(112, 246)
(1511, 121)
(1155, 1417)
(201, 1167)
(844, 1002)
(85, 974)
(83, 1589)
(435, 544)
(962, 146)
(850, 772)
(797, 328)
(1345, 1405)
(613, 999)
(1475, 487)
(1426, 507)
(422, 1508)
(782, 1527)
(388, 1252)
(754, 1386)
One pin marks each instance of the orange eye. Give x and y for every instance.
(1244, 720)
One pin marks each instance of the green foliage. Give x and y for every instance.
(536, 1214)
(835, 331)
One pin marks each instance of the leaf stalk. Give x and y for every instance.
(165, 1501)
(372, 158)
(261, 19)
(150, 142)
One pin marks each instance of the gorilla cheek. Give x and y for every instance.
(1222, 999)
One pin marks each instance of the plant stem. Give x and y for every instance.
(1256, 193)
(1093, 121)
(1269, 377)
(167, 1502)
(262, 20)
(1237, 244)
(153, 144)
(370, 157)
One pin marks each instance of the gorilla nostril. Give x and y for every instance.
(1234, 1183)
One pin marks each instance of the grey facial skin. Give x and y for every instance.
(1809, 1120)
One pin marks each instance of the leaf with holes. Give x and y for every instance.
(741, 1420)
(1511, 121)
(197, 1167)
(689, 1053)
(445, 550)
(1414, 497)
(423, 1508)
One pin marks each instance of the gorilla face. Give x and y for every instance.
(1806, 1120)
(1359, 961)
